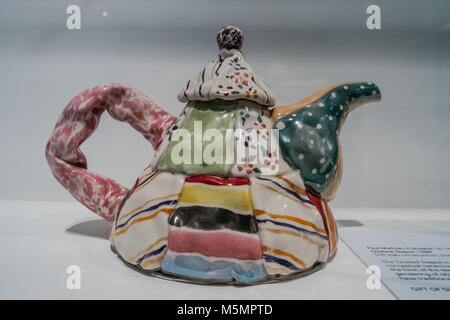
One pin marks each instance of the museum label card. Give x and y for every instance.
(412, 265)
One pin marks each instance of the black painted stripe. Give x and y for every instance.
(221, 61)
(203, 81)
(212, 218)
(187, 87)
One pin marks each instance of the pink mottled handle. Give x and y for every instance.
(79, 120)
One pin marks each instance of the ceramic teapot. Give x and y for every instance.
(238, 189)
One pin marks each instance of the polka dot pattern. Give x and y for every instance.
(315, 149)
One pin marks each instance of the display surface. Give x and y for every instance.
(258, 212)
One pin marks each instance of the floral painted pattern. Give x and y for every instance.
(259, 154)
(228, 77)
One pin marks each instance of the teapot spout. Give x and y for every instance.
(309, 132)
(354, 95)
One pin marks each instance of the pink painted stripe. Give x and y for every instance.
(218, 181)
(216, 244)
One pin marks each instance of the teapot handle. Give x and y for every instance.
(79, 120)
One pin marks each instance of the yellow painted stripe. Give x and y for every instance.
(274, 270)
(164, 210)
(147, 262)
(293, 233)
(154, 244)
(258, 212)
(147, 202)
(293, 186)
(286, 254)
(150, 180)
(284, 194)
(239, 199)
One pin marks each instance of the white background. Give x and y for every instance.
(396, 152)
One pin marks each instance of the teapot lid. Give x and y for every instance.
(229, 76)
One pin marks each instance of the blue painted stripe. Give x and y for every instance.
(293, 227)
(152, 253)
(283, 262)
(198, 267)
(295, 194)
(156, 206)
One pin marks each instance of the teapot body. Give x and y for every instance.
(245, 222)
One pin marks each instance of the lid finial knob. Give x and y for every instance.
(230, 37)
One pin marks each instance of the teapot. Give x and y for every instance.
(238, 189)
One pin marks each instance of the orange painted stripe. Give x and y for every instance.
(258, 212)
(331, 227)
(154, 244)
(147, 262)
(286, 254)
(293, 186)
(213, 68)
(293, 233)
(281, 270)
(145, 175)
(150, 180)
(284, 194)
(164, 210)
(147, 202)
